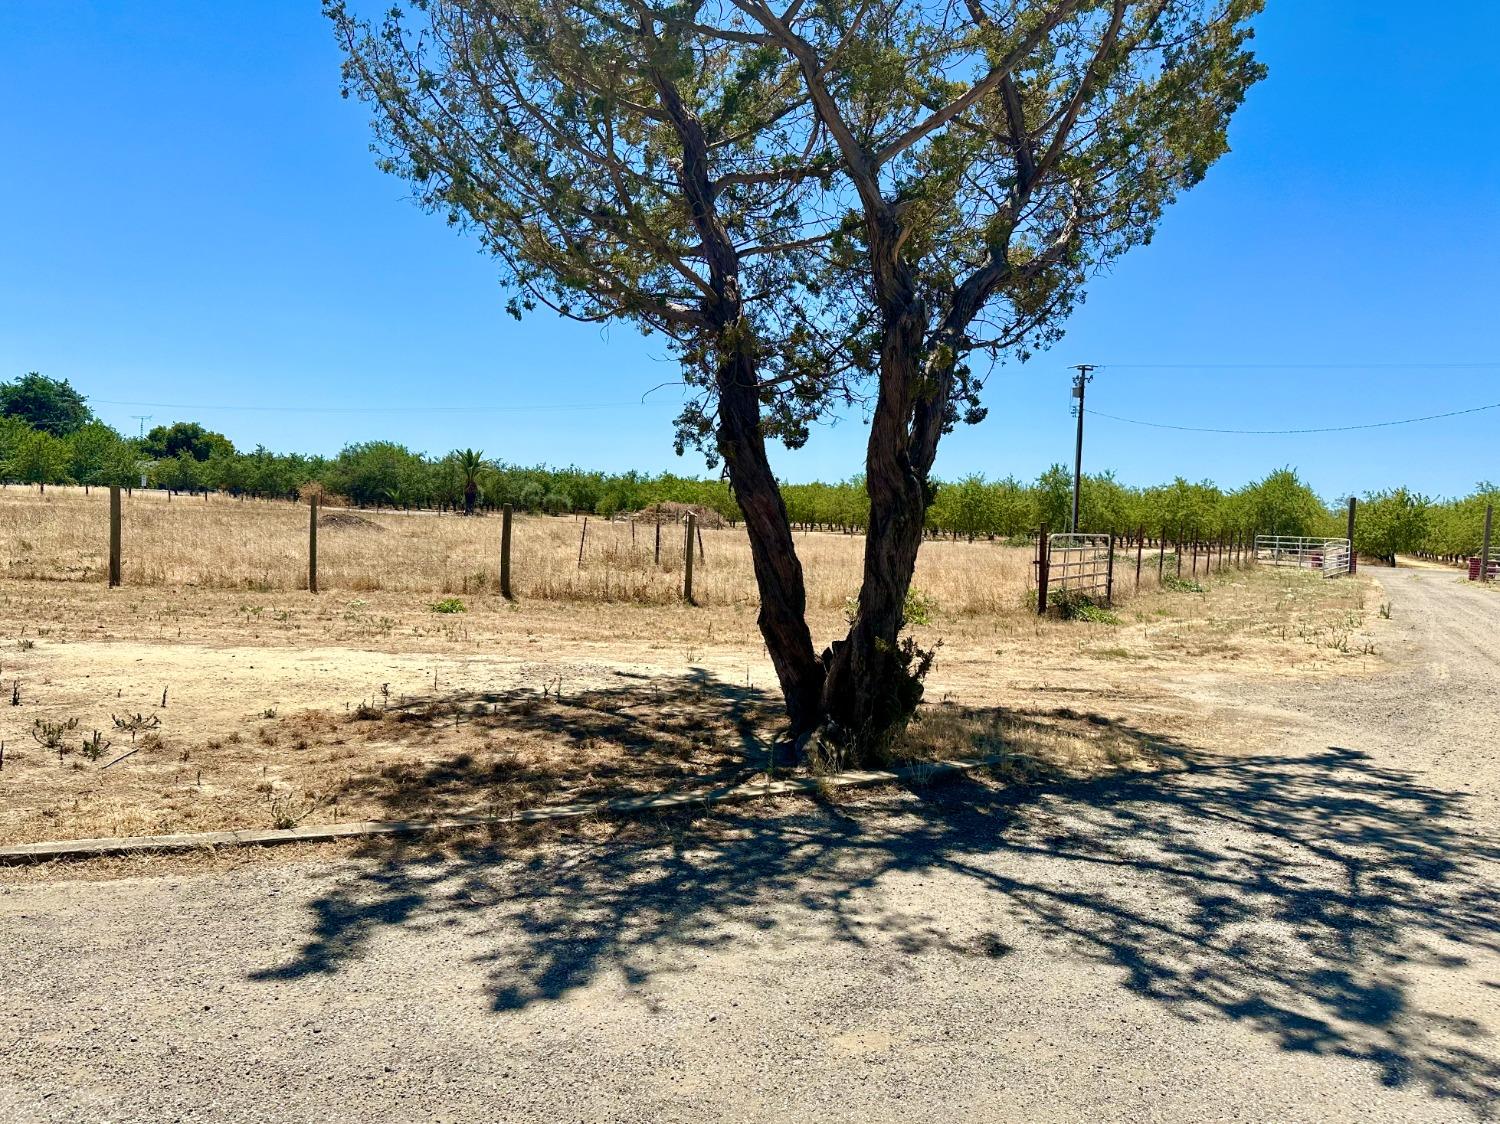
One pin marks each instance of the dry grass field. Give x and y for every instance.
(229, 698)
(260, 546)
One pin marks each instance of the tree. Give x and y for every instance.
(1054, 497)
(167, 441)
(1282, 505)
(1391, 523)
(470, 465)
(39, 458)
(91, 449)
(50, 405)
(182, 473)
(836, 203)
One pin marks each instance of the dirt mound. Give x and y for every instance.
(348, 519)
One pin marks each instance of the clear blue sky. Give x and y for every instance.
(191, 215)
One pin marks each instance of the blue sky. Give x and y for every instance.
(191, 216)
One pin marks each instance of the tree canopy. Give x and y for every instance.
(165, 441)
(49, 405)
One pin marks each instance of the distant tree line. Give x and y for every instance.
(48, 435)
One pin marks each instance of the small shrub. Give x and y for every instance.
(95, 747)
(448, 605)
(134, 724)
(1180, 585)
(1385, 610)
(1072, 604)
(50, 735)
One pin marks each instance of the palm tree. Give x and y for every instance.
(470, 464)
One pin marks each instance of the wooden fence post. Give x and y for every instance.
(505, 517)
(1042, 563)
(1109, 573)
(687, 559)
(1353, 559)
(1484, 549)
(114, 535)
(312, 545)
(1140, 549)
(1161, 554)
(658, 534)
(584, 534)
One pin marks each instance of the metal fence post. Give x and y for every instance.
(1109, 573)
(1041, 570)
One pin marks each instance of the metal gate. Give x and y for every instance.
(1330, 557)
(1079, 564)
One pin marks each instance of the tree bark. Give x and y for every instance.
(778, 571)
(873, 685)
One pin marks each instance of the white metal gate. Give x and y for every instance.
(1330, 557)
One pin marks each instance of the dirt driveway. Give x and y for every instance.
(1311, 933)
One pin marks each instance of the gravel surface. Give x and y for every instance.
(1307, 934)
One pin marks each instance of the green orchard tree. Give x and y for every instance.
(1392, 522)
(37, 457)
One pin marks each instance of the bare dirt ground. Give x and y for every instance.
(283, 707)
(1301, 922)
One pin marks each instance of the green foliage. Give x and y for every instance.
(94, 452)
(918, 609)
(166, 441)
(1073, 604)
(37, 457)
(1392, 522)
(448, 605)
(49, 405)
(1180, 585)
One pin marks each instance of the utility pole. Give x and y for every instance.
(143, 419)
(1080, 380)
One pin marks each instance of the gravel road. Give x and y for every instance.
(1306, 934)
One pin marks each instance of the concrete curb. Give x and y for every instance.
(325, 833)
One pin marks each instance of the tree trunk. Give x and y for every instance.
(471, 490)
(874, 683)
(778, 572)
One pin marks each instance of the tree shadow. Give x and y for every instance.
(520, 747)
(1293, 894)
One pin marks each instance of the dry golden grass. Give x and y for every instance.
(261, 546)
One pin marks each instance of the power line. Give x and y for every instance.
(1289, 432)
(376, 409)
